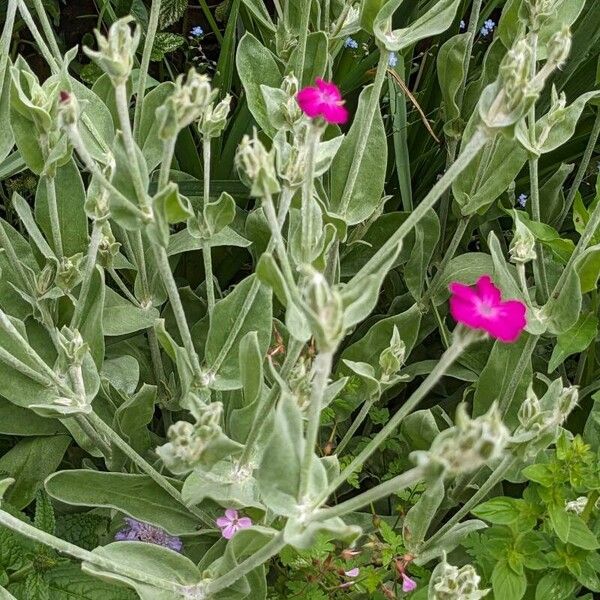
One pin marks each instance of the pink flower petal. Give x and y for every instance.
(231, 514)
(482, 307)
(330, 89)
(244, 522)
(335, 114)
(352, 572)
(229, 531)
(223, 522)
(408, 584)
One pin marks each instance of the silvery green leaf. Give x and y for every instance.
(450, 540)
(184, 241)
(8, 139)
(257, 318)
(326, 152)
(278, 474)
(368, 189)
(367, 373)
(146, 559)
(316, 58)
(274, 99)
(150, 142)
(251, 369)
(567, 306)
(219, 214)
(427, 233)
(333, 390)
(135, 495)
(123, 372)
(121, 317)
(301, 536)
(435, 21)
(420, 516)
(360, 294)
(224, 484)
(257, 66)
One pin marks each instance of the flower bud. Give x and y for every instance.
(568, 401)
(256, 167)
(72, 348)
(214, 119)
(116, 53)
(536, 12)
(290, 160)
(68, 109)
(392, 358)
(451, 583)
(326, 311)
(300, 384)
(45, 280)
(576, 506)
(522, 246)
(184, 448)
(187, 103)
(108, 248)
(559, 47)
(468, 445)
(69, 272)
(530, 410)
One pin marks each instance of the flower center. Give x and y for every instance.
(487, 310)
(328, 98)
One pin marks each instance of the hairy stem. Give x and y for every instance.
(206, 251)
(143, 72)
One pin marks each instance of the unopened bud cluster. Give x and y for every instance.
(256, 167)
(72, 348)
(451, 583)
(69, 272)
(392, 358)
(326, 310)
(188, 441)
(116, 52)
(468, 445)
(522, 246)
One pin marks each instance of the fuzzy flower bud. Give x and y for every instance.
(536, 12)
(530, 410)
(215, 117)
(68, 110)
(72, 347)
(184, 448)
(451, 583)
(108, 248)
(468, 445)
(188, 102)
(576, 506)
(559, 47)
(256, 167)
(115, 54)
(69, 272)
(522, 246)
(326, 311)
(392, 358)
(290, 160)
(45, 280)
(568, 401)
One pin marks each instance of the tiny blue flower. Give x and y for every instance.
(489, 25)
(463, 25)
(351, 43)
(484, 31)
(522, 200)
(197, 31)
(392, 59)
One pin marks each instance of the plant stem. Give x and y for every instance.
(322, 370)
(252, 562)
(365, 132)
(460, 342)
(37, 535)
(54, 219)
(301, 47)
(206, 251)
(307, 192)
(167, 159)
(496, 477)
(392, 486)
(37, 36)
(523, 282)
(121, 285)
(517, 375)
(585, 161)
(362, 415)
(459, 98)
(448, 256)
(100, 426)
(164, 269)
(48, 31)
(143, 72)
(474, 145)
(211, 20)
(5, 39)
(90, 265)
(94, 436)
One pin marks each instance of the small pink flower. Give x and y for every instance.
(352, 572)
(482, 307)
(323, 100)
(231, 523)
(408, 584)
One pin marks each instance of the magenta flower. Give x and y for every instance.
(137, 531)
(231, 523)
(323, 100)
(482, 307)
(408, 584)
